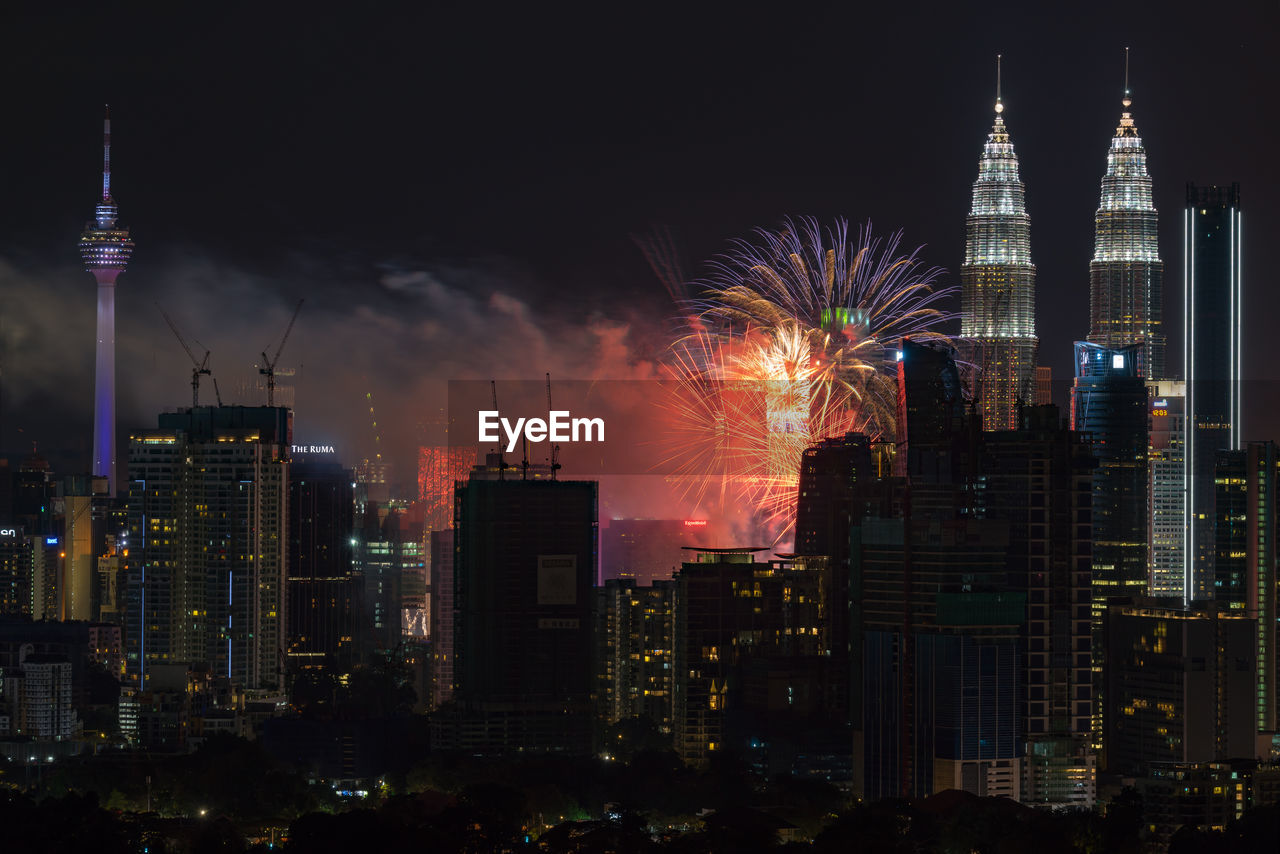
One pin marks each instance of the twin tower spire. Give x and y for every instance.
(998, 278)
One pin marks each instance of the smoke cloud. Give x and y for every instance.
(387, 338)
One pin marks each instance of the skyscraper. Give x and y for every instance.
(321, 591)
(1109, 401)
(1039, 478)
(1212, 297)
(998, 284)
(524, 565)
(1126, 276)
(1179, 685)
(943, 674)
(105, 248)
(208, 515)
(634, 637)
(1168, 487)
(1245, 580)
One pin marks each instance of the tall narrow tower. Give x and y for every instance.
(998, 283)
(105, 248)
(1126, 276)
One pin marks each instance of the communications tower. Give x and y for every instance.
(105, 248)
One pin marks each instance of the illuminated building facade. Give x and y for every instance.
(1126, 275)
(635, 628)
(105, 248)
(1044, 385)
(1179, 685)
(1167, 492)
(16, 565)
(1212, 359)
(439, 468)
(998, 285)
(208, 519)
(1109, 402)
(441, 617)
(321, 585)
(1245, 578)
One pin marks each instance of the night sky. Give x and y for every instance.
(455, 191)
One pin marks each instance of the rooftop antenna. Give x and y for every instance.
(502, 464)
(999, 105)
(106, 153)
(1127, 100)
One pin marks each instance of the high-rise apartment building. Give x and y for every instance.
(1039, 479)
(943, 677)
(524, 565)
(441, 617)
(1213, 301)
(1167, 491)
(323, 600)
(208, 544)
(998, 284)
(635, 635)
(1109, 402)
(16, 565)
(1179, 685)
(1126, 275)
(1245, 578)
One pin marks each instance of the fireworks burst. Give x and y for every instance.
(793, 340)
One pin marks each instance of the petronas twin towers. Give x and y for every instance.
(998, 278)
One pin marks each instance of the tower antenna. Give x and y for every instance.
(1127, 99)
(999, 104)
(106, 153)
(502, 463)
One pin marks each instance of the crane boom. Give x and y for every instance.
(287, 330)
(177, 334)
(269, 371)
(555, 449)
(198, 367)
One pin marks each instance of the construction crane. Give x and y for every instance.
(269, 365)
(555, 449)
(198, 366)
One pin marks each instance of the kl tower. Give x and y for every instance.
(105, 249)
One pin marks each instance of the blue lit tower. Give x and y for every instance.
(105, 248)
(1126, 276)
(998, 283)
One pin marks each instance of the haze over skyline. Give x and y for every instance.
(456, 199)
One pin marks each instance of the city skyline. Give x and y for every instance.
(382, 270)
(668, 457)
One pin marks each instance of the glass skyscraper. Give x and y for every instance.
(1109, 401)
(998, 285)
(1126, 276)
(1212, 299)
